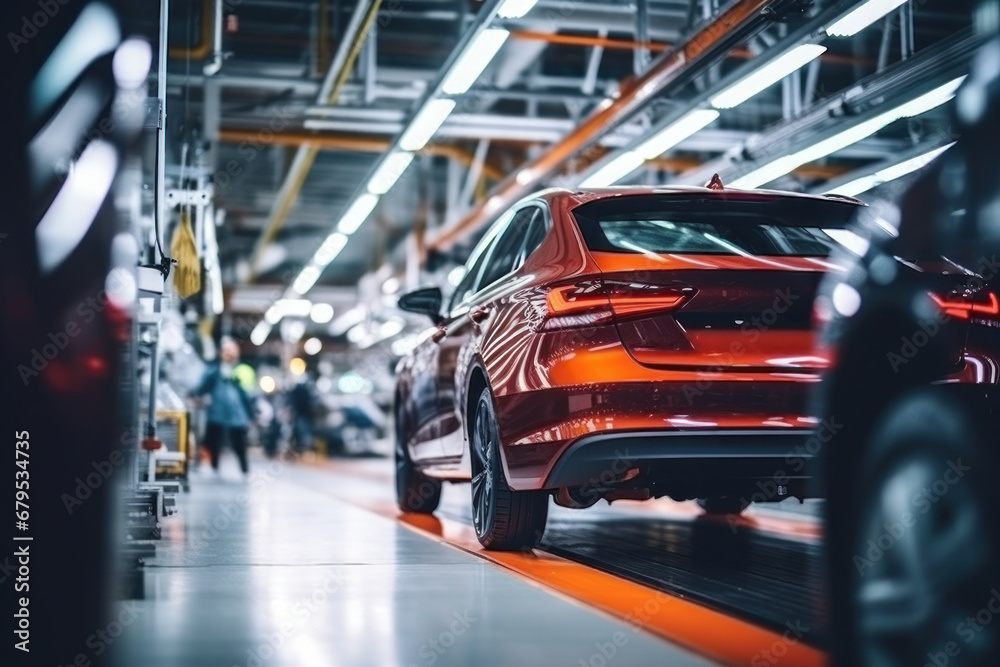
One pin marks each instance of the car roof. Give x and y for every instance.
(584, 196)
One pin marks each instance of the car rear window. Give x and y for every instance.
(717, 226)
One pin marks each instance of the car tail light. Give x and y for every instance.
(983, 303)
(597, 302)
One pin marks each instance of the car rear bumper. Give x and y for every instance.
(749, 454)
(538, 428)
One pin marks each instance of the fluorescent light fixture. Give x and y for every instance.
(321, 313)
(525, 176)
(862, 17)
(131, 62)
(852, 135)
(260, 333)
(287, 308)
(866, 183)
(357, 333)
(766, 76)
(312, 346)
(474, 59)
(515, 9)
(389, 172)
(391, 285)
(931, 100)
(331, 247)
(677, 132)
(294, 307)
(349, 319)
(306, 279)
(425, 124)
(94, 34)
(357, 213)
(655, 146)
(614, 171)
(72, 212)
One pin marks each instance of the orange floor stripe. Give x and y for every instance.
(710, 633)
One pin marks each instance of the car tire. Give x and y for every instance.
(415, 491)
(913, 547)
(504, 519)
(723, 505)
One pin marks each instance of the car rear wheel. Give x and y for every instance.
(415, 491)
(723, 505)
(504, 519)
(914, 557)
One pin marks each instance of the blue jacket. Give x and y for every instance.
(230, 406)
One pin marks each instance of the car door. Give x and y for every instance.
(505, 255)
(433, 414)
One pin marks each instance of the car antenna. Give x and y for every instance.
(715, 183)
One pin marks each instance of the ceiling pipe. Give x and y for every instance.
(347, 52)
(709, 43)
(355, 144)
(213, 66)
(203, 48)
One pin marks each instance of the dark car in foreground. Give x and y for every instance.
(620, 343)
(913, 504)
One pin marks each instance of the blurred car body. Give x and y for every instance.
(620, 343)
(914, 324)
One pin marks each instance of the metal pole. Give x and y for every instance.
(161, 136)
(886, 43)
(593, 65)
(640, 58)
(153, 372)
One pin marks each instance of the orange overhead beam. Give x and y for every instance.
(654, 47)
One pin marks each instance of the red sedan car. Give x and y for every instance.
(621, 343)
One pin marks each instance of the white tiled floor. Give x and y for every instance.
(271, 571)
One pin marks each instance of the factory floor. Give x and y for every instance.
(310, 564)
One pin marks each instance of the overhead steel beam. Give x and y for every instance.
(471, 126)
(353, 143)
(671, 71)
(709, 140)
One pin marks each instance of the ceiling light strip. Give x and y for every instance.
(843, 139)
(863, 184)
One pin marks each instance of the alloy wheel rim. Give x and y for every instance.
(401, 458)
(914, 580)
(482, 479)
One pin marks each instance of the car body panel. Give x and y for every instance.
(551, 388)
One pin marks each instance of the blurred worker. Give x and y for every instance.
(268, 425)
(229, 406)
(246, 376)
(301, 401)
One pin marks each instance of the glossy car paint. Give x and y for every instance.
(739, 354)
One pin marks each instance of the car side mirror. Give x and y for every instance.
(426, 301)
